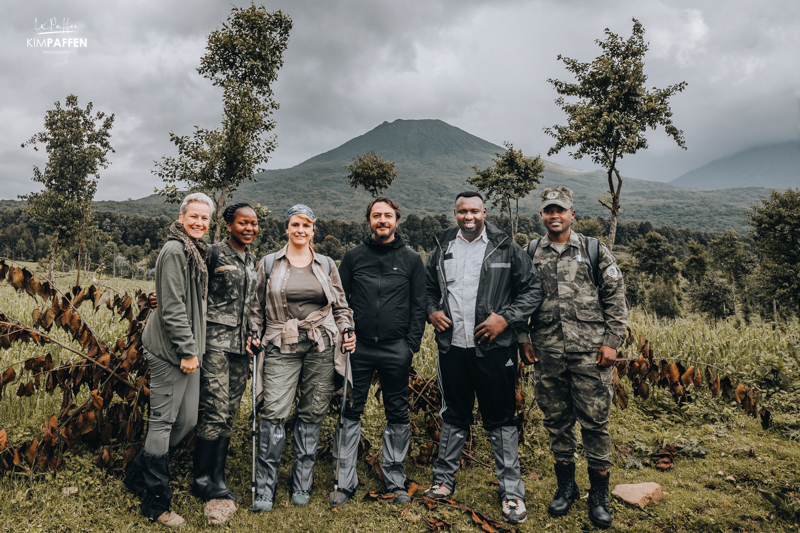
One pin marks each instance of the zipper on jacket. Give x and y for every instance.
(378, 298)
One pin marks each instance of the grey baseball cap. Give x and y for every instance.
(300, 209)
(560, 196)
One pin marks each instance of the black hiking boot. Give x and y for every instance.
(567, 491)
(598, 499)
(207, 463)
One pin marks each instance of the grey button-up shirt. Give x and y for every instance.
(463, 271)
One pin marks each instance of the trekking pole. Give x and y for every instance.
(254, 432)
(341, 414)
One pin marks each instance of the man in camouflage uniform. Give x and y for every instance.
(574, 337)
(231, 289)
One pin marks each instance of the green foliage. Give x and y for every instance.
(243, 57)
(712, 296)
(655, 257)
(697, 263)
(662, 299)
(776, 230)
(635, 285)
(587, 226)
(76, 144)
(613, 109)
(512, 177)
(421, 232)
(371, 172)
(332, 247)
(730, 256)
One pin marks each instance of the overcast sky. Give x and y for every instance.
(351, 64)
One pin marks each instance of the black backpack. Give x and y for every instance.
(592, 248)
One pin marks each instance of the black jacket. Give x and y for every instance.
(508, 286)
(385, 288)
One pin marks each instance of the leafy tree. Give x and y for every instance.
(634, 285)
(512, 177)
(421, 232)
(696, 265)
(243, 57)
(332, 247)
(655, 257)
(613, 110)
(662, 299)
(776, 230)
(371, 172)
(76, 143)
(729, 254)
(587, 226)
(713, 297)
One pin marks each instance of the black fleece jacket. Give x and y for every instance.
(385, 288)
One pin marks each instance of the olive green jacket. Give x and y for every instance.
(177, 328)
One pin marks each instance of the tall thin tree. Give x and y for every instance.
(243, 57)
(76, 143)
(613, 110)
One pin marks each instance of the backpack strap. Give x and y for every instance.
(532, 246)
(269, 264)
(327, 264)
(593, 249)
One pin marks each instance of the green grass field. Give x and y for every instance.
(714, 439)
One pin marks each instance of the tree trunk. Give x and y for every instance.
(615, 194)
(80, 247)
(516, 227)
(220, 204)
(50, 274)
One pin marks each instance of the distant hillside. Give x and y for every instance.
(433, 160)
(776, 166)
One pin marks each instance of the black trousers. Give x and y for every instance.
(392, 360)
(463, 376)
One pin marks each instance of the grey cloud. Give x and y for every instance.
(351, 64)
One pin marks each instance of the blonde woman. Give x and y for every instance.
(174, 341)
(298, 315)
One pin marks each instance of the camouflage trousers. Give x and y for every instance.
(223, 379)
(570, 387)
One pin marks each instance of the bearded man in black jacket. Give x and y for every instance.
(384, 281)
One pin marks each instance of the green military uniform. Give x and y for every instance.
(575, 319)
(231, 289)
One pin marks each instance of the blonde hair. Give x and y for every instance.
(307, 218)
(197, 197)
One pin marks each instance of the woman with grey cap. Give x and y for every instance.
(174, 341)
(299, 314)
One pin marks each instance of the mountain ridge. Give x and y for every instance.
(434, 160)
(774, 166)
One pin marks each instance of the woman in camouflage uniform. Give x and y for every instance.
(231, 287)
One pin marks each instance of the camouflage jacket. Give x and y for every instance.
(576, 315)
(231, 288)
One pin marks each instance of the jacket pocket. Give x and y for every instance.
(544, 317)
(589, 315)
(226, 319)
